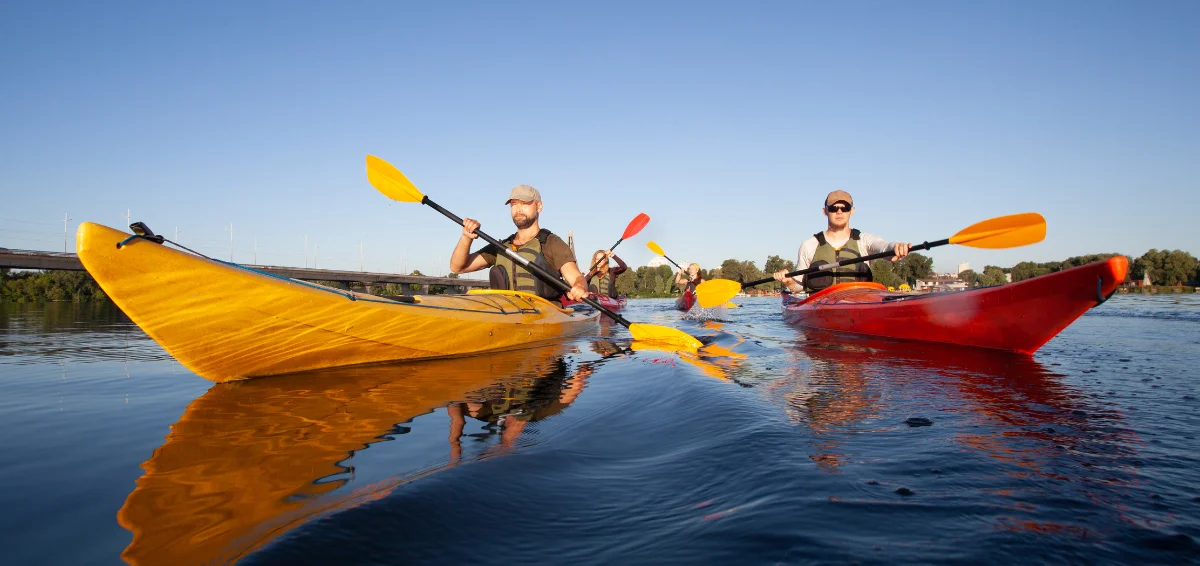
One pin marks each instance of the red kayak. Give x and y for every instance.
(685, 301)
(1018, 317)
(610, 303)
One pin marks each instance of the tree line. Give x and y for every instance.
(42, 286)
(1165, 267)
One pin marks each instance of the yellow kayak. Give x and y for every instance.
(225, 322)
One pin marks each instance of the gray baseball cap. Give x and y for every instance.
(524, 193)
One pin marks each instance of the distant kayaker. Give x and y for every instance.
(837, 243)
(688, 281)
(530, 241)
(603, 279)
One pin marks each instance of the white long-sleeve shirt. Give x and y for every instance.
(867, 244)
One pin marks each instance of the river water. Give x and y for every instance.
(772, 446)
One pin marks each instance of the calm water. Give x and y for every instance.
(772, 446)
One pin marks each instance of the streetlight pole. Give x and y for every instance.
(66, 218)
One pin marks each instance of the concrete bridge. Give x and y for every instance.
(31, 259)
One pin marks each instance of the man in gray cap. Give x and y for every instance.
(837, 243)
(535, 244)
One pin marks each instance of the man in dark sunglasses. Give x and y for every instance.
(837, 243)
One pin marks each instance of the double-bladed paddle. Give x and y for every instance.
(640, 221)
(658, 250)
(1001, 232)
(394, 185)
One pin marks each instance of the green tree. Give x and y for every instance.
(1028, 270)
(627, 283)
(775, 263)
(991, 275)
(969, 277)
(884, 273)
(731, 269)
(666, 276)
(1165, 267)
(914, 266)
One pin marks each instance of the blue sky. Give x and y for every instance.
(726, 122)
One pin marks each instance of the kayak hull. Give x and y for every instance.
(227, 322)
(610, 303)
(1017, 317)
(686, 301)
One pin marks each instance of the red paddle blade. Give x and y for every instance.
(639, 222)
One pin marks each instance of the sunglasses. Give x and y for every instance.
(839, 208)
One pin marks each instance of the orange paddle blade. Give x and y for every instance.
(1003, 232)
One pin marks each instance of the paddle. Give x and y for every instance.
(394, 185)
(658, 250)
(640, 221)
(997, 233)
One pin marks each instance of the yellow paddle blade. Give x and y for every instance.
(716, 292)
(654, 247)
(664, 335)
(1003, 232)
(391, 182)
(730, 305)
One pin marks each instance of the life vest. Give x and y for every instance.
(827, 254)
(602, 285)
(508, 274)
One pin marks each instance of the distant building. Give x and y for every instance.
(659, 260)
(964, 266)
(939, 284)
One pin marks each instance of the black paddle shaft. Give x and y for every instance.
(597, 264)
(533, 268)
(829, 266)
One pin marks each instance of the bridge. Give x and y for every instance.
(32, 259)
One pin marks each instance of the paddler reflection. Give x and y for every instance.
(508, 407)
(251, 460)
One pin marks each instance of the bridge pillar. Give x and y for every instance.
(369, 288)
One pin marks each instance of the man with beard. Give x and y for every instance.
(539, 246)
(837, 243)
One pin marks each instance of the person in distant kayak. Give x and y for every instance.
(837, 243)
(603, 279)
(688, 281)
(532, 242)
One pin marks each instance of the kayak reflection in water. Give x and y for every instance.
(1009, 423)
(251, 460)
(838, 242)
(535, 244)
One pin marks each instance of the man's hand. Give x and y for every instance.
(578, 290)
(469, 227)
(781, 276)
(901, 251)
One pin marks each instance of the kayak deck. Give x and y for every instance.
(225, 321)
(1018, 317)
